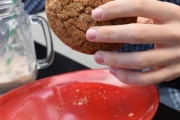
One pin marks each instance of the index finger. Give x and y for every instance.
(157, 10)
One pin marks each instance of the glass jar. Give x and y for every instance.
(18, 62)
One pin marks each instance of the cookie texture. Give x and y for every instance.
(70, 19)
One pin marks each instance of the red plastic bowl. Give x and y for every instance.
(81, 95)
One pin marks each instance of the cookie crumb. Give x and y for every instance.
(131, 115)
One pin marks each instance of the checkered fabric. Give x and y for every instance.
(172, 1)
(168, 96)
(34, 6)
(175, 97)
(135, 48)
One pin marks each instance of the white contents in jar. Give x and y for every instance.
(16, 73)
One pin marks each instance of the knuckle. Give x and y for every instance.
(140, 64)
(141, 80)
(175, 35)
(144, 83)
(137, 34)
(175, 72)
(174, 12)
(176, 55)
(114, 61)
(138, 4)
(107, 34)
(124, 78)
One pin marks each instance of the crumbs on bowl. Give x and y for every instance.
(131, 115)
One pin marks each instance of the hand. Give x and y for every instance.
(164, 33)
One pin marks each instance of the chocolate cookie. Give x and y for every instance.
(70, 19)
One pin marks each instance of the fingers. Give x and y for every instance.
(131, 33)
(136, 60)
(146, 78)
(135, 33)
(142, 8)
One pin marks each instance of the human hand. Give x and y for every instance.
(164, 33)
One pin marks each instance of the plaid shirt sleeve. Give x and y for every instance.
(172, 1)
(34, 6)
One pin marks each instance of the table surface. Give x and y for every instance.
(63, 64)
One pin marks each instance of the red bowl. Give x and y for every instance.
(81, 95)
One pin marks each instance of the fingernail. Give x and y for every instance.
(97, 13)
(91, 34)
(113, 71)
(99, 58)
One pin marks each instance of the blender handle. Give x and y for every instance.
(43, 63)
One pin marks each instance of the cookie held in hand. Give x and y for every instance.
(70, 19)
